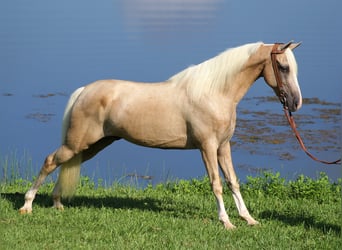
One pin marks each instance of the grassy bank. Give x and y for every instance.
(301, 214)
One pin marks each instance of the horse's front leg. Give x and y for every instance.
(209, 155)
(225, 161)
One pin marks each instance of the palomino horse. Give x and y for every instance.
(194, 109)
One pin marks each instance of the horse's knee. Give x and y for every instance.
(234, 186)
(217, 187)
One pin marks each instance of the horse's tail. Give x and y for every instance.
(69, 174)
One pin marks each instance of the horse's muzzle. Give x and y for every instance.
(293, 103)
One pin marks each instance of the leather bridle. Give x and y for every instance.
(282, 94)
(276, 50)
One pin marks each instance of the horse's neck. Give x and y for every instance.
(249, 73)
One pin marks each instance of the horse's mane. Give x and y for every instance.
(213, 75)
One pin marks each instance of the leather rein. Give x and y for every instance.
(282, 98)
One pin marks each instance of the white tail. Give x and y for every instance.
(69, 174)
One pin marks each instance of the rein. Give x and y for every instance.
(288, 114)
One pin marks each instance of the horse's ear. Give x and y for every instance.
(294, 45)
(291, 45)
(285, 45)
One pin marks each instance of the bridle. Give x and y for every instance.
(279, 48)
(276, 50)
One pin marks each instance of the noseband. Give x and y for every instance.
(282, 97)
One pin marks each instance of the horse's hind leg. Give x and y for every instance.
(63, 154)
(85, 155)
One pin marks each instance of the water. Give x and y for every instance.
(50, 48)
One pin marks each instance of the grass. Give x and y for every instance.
(300, 214)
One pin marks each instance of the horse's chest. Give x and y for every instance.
(226, 127)
(220, 126)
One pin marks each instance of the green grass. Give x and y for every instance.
(301, 214)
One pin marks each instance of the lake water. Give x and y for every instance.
(50, 48)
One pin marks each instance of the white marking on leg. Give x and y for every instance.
(31, 194)
(210, 160)
(29, 197)
(243, 211)
(223, 216)
(224, 158)
(47, 168)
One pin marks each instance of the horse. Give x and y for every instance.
(194, 109)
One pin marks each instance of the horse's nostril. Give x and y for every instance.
(295, 104)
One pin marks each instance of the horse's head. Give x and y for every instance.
(280, 73)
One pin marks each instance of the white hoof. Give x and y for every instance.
(228, 225)
(25, 210)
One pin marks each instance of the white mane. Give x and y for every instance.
(214, 74)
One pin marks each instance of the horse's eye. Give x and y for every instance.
(284, 68)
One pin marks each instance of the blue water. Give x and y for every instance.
(50, 48)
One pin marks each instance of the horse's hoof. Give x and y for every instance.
(25, 211)
(58, 205)
(228, 225)
(250, 220)
(253, 223)
(59, 208)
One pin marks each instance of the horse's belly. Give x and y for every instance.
(160, 130)
(150, 135)
(176, 143)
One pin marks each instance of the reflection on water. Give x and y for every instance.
(50, 48)
(44, 117)
(170, 15)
